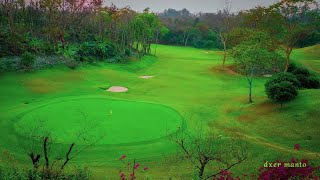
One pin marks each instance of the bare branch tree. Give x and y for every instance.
(203, 149)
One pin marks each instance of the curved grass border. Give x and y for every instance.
(183, 121)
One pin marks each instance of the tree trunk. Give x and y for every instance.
(250, 86)
(224, 54)
(157, 41)
(186, 41)
(288, 53)
(35, 160)
(45, 151)
(201, 170)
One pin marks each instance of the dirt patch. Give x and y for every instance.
(231, 70)
(253, 113)
(40, 85)
(146, 77)
(117, 89)
(219, 52)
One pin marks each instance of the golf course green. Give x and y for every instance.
(189, 91)
(121, 122)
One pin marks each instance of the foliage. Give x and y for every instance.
(302, 71)
(90, 51)
(84, 31)
(306, 79)
(293, 169)
(130, 170)
(292, 67)
(202, 150)
(281, 92)
(281, 77)
(314, 82)
(16, 173)
(253, 56)
(27, 60)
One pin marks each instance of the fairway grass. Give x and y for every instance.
(187, 82)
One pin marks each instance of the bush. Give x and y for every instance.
(71, 63)
(90, 51)
(304, 80)
(281, 92)
(292, 67)
(9, 64)
(314, 82)
(281, 77)
(301, 70)
(27, 60)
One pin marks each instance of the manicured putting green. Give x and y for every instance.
(120, 122)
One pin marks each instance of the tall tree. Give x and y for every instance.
(296, 20)
(225, 29)
(253, 56)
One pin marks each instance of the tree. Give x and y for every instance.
(281, 92)
(225, 29)
(40, 146)
(296, 20)
(202, 150)
(254, 55)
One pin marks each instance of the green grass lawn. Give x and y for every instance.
(189, 89)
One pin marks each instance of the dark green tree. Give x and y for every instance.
(281, 92)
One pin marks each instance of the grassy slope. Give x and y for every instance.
(190, 81)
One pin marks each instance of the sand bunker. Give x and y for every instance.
(267, 75)
(146, 77)
(117, 89)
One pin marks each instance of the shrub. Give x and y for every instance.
(71, 63)
(304, 80)
(27, 60)
(281, 77)
(90, 51)
(9, 64)
(314, 82)
(292, 67)
(281, 92)
(301, 70)
(282, 172)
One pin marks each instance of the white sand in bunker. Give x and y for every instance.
(117, 89)
(146, 77)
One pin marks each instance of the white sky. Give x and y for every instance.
(192, 5)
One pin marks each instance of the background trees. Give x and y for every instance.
(75, 28)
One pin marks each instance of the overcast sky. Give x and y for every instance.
(192, 5)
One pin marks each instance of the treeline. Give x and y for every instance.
(79, 30)
(203, 30)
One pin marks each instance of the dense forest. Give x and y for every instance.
(88, 31)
